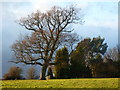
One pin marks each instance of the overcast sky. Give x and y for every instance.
(101, 19)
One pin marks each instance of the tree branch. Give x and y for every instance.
(27, 62)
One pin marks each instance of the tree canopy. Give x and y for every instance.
(62, 67)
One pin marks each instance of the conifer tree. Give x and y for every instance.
(62, 68)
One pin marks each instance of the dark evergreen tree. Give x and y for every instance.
(77, 59)
(87, 55)
(62, 66)
(95, 51)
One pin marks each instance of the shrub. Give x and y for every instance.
(13, 73)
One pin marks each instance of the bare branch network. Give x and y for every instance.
(50, 30)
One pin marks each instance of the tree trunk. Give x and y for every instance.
(94, 71)
(44, 68)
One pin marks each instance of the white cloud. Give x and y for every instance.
(32, 6)
(40, 5)
(105, 24)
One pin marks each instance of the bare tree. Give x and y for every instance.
(71, 40)
(49, 33)
(31, 73)
(112, 54)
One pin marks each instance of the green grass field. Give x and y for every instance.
(62, 83)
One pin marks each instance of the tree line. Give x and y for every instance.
(15, 73)
(89, 59)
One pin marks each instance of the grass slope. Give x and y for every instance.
(62, 83)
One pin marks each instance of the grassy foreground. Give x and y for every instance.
(62, 83)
